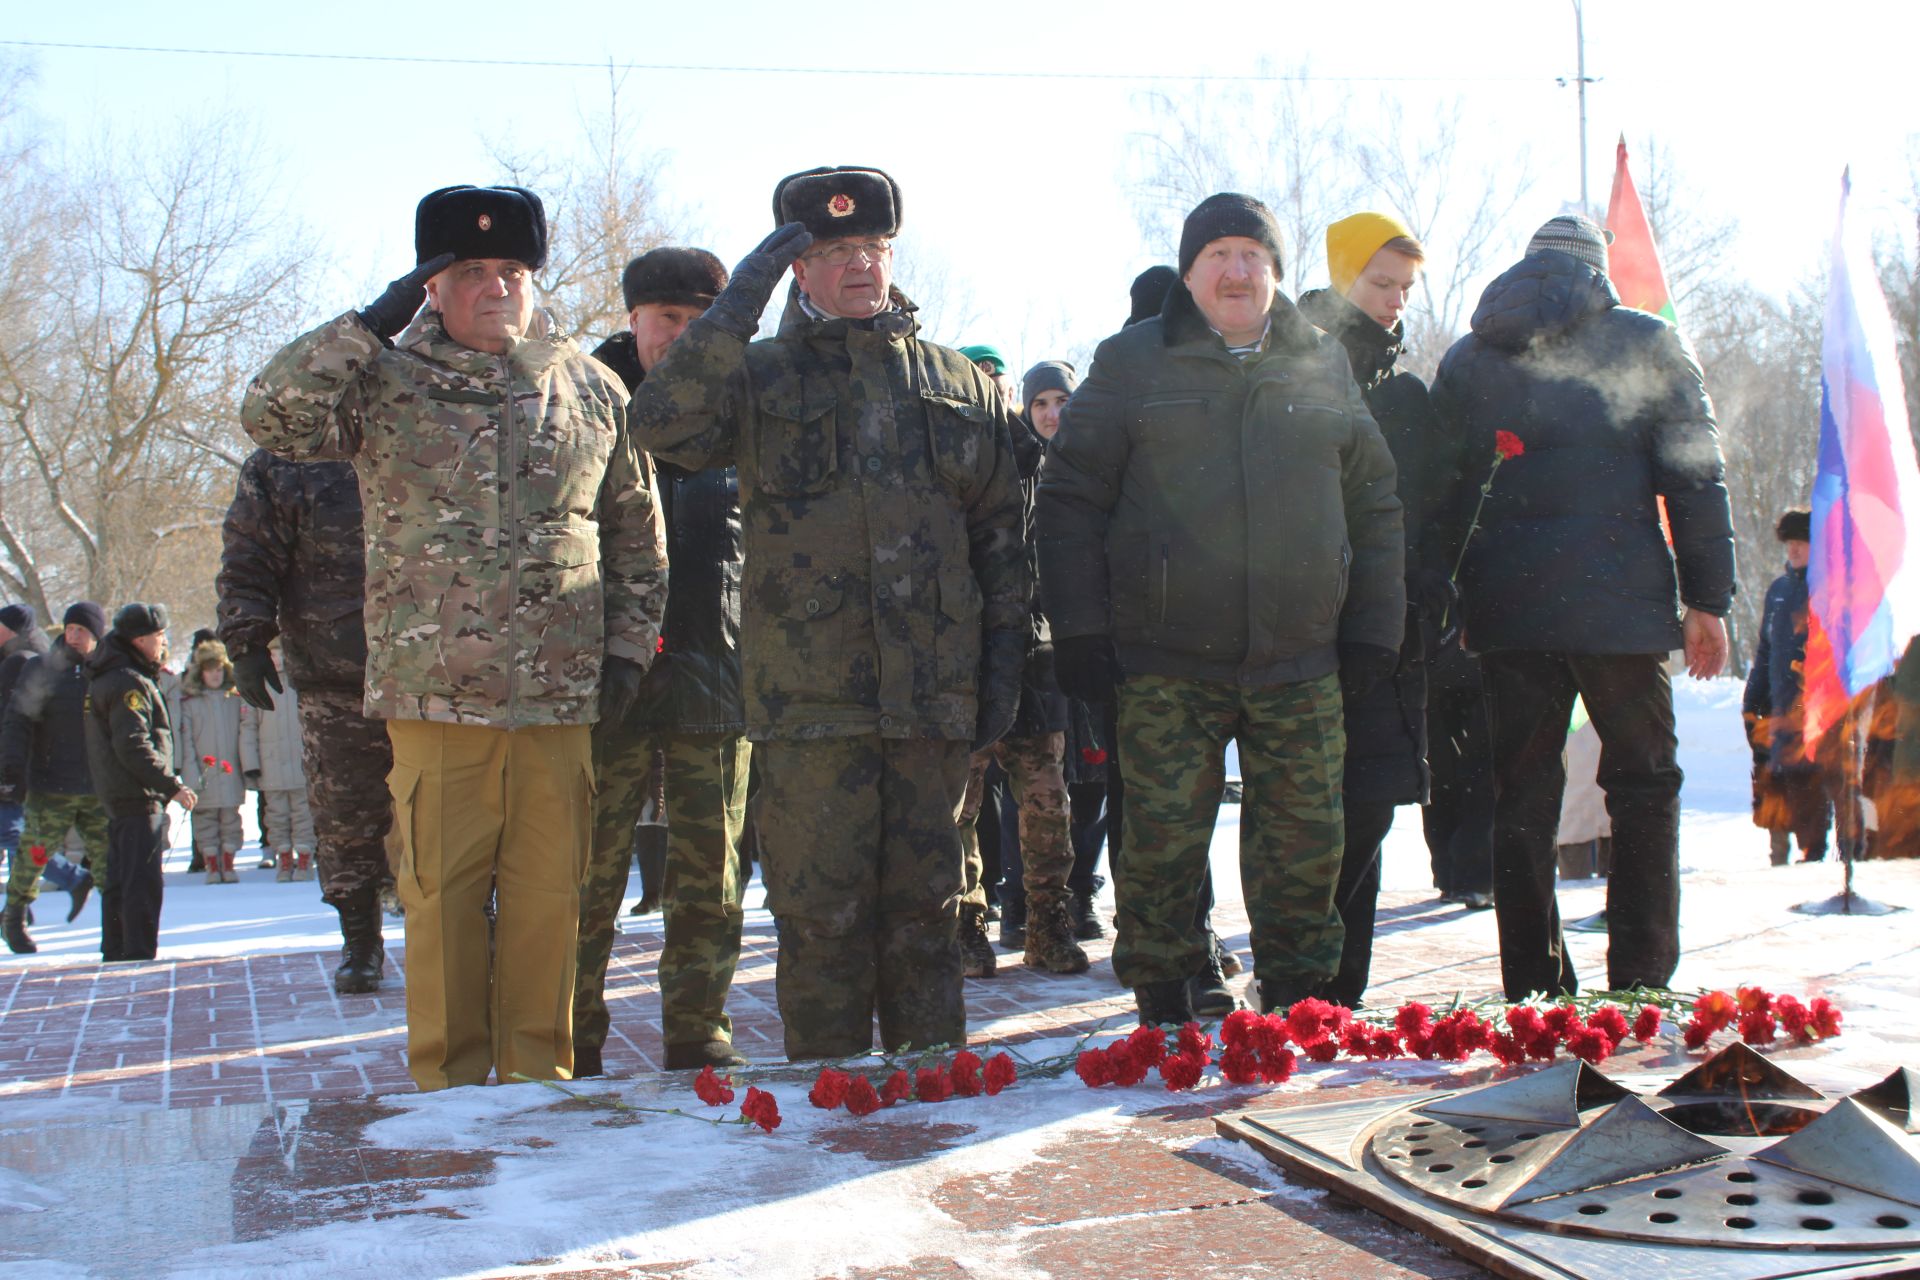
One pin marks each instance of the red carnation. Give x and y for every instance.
(1795, 1018)
(1508, 445)
(225, 767)
(1093, 1066)
(1000, 1073)
(1277, 1067)
(830, 1089)
(710, 1089)
(1563, 1020)
(1646, 1023)
(861, 1099)
(930, 1084)
(964, 1075)
(899, 1087)
(1507, 1048)
(1716, 1009)
(1383, 1044)
(1826, 1017)
(1194, 1041)
(1757, 1026)
(1310, 1020)
(209, 761)
(1355, 1039)
(38, 854)
(1323, 1050)
(1239, 1029)
(1699, 1030)
(1130, 1065)
(1589, 1045)
(1270, 1036)
(1182, 1070)
(1525, 1022)
(760, 1108)
(1093, 755)
(1149, 1044)
(1608, 1018)
(1240, 1065)
(1755, 999)
(1413, 1019)
(1542, 1046)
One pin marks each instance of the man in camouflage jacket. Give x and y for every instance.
(885, 603)
(513, 544)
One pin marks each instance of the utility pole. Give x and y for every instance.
(1580, 47)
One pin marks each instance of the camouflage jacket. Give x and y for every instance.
(293, 564)
(513, 534)
(882, 513)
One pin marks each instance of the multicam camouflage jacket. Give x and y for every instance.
(882, 512)
(513, 534)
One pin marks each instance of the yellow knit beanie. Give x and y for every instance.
(1352, 242)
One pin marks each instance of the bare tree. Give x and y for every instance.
(602, 212)
(160, 276)
(1694, 242)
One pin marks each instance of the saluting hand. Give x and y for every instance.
(389, 313)
(737, 309)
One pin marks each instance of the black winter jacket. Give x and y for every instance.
(129, 731)
(694, 685)
(14, 655)
(43, 738)
(1610, 406)
(1043, 708)
(1773, 682)
(294, 564)
(1223, 521)
(1387, 726)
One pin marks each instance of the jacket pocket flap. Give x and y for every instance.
(965, 408)
(796, 407)
(566, 545)
(457, 395)
(807, 594)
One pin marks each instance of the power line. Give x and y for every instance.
(688, 68)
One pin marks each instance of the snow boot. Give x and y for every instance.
(1277, 995)
(285, 874)
(212, 864)
(303, 865)
(111, 946)
(1163, 1003)
(1013, 924)
(706, 1053)
(268, 859)
(1086, 922)
(1207, 990)
(1050, 945)
(976, 953)
(363, 952)
(1229, 962)
(227, 874)
(14, 924)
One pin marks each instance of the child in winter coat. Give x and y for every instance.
(270, 758)
(209, 730)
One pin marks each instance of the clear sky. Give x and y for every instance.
(1014, 184)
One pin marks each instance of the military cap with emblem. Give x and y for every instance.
(673, 276)
(843, 200)
(481, 222)
(132, 621)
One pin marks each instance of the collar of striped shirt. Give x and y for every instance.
(1251, 349)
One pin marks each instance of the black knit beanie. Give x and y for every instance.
(1149, 293)
(1230, 214)
(17, 617)
(1796, 525)
(86, 613)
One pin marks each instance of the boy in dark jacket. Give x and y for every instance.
(1790, 790)
(130, 753)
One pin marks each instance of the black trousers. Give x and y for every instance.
(1357, 894)
(1630, 699)
(1088, 823)
(136, 842)
(1458, 818)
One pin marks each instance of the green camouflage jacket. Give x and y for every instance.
(512, 529)
(882, 513)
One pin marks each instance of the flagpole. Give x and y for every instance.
(1580, 47)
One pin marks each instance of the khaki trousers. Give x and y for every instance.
(507, 812)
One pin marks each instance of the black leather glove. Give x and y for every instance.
(1435, 598)
(1363, 666)
(619, 686)
(253, 675)
(1003, 662)
(737, 309)
(389, 313)
(1087, 667)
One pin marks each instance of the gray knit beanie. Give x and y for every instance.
(1572, 234)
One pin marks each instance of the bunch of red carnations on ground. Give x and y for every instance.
(1257, 1049)
(965, 1077)
(758, 1107)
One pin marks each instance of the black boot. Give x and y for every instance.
(1277, 995)
(706, 1053)
(14, 924)
(586, 1061)
(81, 891)
(976, 953)
(1207, 990)
(363, 953)
(1163, 1003)
(112, 947)
(1086, 922)
(1013, 923)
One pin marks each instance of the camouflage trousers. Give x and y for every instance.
(862, 863)
(1036, 766)
(47, 819)
(347, 758)
(1173, 735)
(706, 808)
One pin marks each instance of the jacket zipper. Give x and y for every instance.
(1166, 554)
(513, 538)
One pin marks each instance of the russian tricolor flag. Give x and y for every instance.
(1864, 578)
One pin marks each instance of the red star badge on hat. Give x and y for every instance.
(841, 205)
(486, 222)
